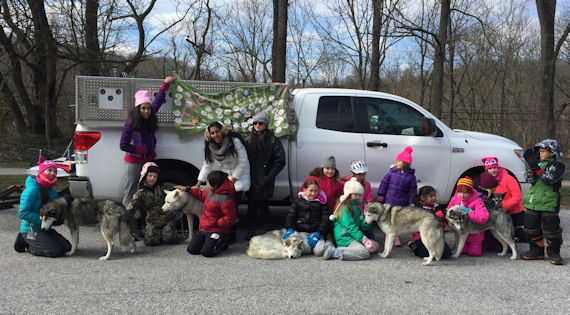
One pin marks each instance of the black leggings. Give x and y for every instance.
(48, 244)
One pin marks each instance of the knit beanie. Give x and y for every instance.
(44, 179)
(142, 96)
(329, 162)
(261, 117)
(490, 162)
(465, 184)
(148, 167)
(488, 181)
(406, 155)
(352, 186)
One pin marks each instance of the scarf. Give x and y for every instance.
(219, 152)
(46, 181)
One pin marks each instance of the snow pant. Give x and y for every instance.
(320, 247)
(420, 250)
(354, 251)
(171, 233)
(130, 181)
(208, 244)
(473, 244)
(543, 224)
(48, 244)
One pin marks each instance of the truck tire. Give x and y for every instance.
(176, 172)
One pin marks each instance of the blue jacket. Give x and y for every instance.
(30, 204)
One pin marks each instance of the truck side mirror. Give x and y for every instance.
(428, 127)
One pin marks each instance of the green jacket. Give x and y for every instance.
(347, 228)
(544, 195)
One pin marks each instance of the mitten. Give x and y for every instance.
(140, 150)
(314, 238)
(465, 209)
(288, 233)
(532, 158)
(381, 199)
(369, 244)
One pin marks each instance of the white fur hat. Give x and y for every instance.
(352, 186)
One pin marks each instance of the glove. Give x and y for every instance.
(369, 244)
(140, 150)
(532, 158)
(381, 199)
(314, 238)
(465, 209)
(288, 233)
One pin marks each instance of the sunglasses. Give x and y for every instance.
(257, 123)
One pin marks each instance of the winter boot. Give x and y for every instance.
(535, 249)
(520, 235)
(553, 251)
(20, 245)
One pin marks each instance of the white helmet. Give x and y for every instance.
(358, 167)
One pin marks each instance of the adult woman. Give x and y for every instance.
(224, 151)
(512, 202)
(267, 159)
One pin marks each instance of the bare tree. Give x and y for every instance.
(374, 82)
(279, 47)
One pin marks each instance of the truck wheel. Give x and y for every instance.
(175, 172)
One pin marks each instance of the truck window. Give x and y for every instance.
(335, 113)
(391, 117)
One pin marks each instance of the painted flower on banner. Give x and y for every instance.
(219, 111)
(229, 98)
(235, 108)
(178, 96)
(177, 113)
(179, 89)
(210, 116)
(245, 93)
(227, 121)
(178, 120)
(177, 103)
(227, 112)
(237, 115)
(244, 125)
(251, 106)
(208, 109)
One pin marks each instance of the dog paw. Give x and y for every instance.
(383, 255)
(501, 254)
(70, 253)
(514, 257)
(427, 263)
(104, 258)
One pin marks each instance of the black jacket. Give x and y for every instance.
(265, 163)
(308, 216)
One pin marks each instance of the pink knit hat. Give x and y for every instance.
(142, 96)
(490, 162)
(405, 155)
(42, 178)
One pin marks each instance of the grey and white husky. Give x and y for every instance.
(111, 215)
(182, 200)
(397, 220)
(500, 224)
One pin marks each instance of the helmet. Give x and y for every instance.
(358, 167)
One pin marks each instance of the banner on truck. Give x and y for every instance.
(194, 109)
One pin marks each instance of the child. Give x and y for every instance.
(327, 176)
(138, 140)
(358, 169)
(399, 184)
(309, 215)
(159, 226)
(512, 202)
(426, 199)
(39, 190)
(542, 201)
(348, 226)
(466, 197)
(487, 186)
(218, 217)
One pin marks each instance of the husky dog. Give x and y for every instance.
(271, 245)
(112, 216)
(500, 224)
(397, 220)
(178, 199)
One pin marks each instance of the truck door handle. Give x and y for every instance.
(376, 144)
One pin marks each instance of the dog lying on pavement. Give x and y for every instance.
(271, 245)
(397, 220)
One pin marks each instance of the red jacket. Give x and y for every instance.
(219, 208)
(333, 188)
(512, 203)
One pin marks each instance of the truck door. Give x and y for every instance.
(389, 127)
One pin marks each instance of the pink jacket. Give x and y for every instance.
(478, 213)
(512, 203)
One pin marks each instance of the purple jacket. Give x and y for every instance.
(398, 187)
(131, 139)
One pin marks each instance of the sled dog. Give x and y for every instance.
(112, 216)
(397, 220)
(192, 207)
(271, 245)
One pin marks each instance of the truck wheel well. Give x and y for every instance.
(177, 172)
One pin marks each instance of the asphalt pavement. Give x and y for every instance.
(166, 279)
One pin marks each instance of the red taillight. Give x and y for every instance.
(84, 140)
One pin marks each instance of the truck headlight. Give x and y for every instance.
(519, 153)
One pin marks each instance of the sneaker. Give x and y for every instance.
(397, 241)
(555, 259)
(329, 253)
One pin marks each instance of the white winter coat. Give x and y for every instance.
(237, 166)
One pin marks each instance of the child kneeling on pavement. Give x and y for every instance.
(348, 226)
(218, 217)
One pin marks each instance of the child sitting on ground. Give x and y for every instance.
(358, 170)
(159, 226)
(218, 217)
(309, 215)
(466, 197)
(426, 199)
(327, 176)
(542, 201)
(348, 226)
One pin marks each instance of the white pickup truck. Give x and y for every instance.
(350, 124)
